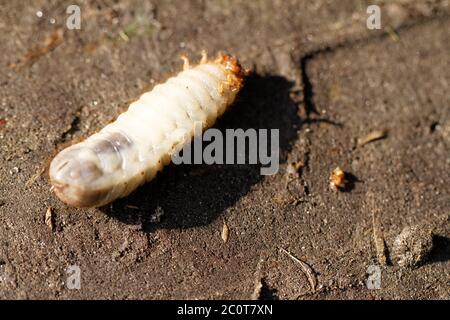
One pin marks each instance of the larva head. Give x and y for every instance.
(234, 72)
(75, 174)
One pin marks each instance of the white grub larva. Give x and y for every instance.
(127, 153)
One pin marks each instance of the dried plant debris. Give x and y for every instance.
(48, 44)
(49, 219)
(337, 179)
(225, 232)
(378, 238)
(372, 136)
(307, 270)
(36, 176)
(377, 228)
(412, 246)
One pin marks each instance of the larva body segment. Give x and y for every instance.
(130, 151)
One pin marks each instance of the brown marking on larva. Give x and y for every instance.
(63, 165)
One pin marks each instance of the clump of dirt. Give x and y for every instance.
(412, 246)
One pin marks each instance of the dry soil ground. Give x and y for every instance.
(318, 74)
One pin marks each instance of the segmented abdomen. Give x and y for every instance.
(130, 151)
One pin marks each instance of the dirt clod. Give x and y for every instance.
(337, 179)
(412, 246)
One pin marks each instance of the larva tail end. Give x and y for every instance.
(234, 70)
(73, 178)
